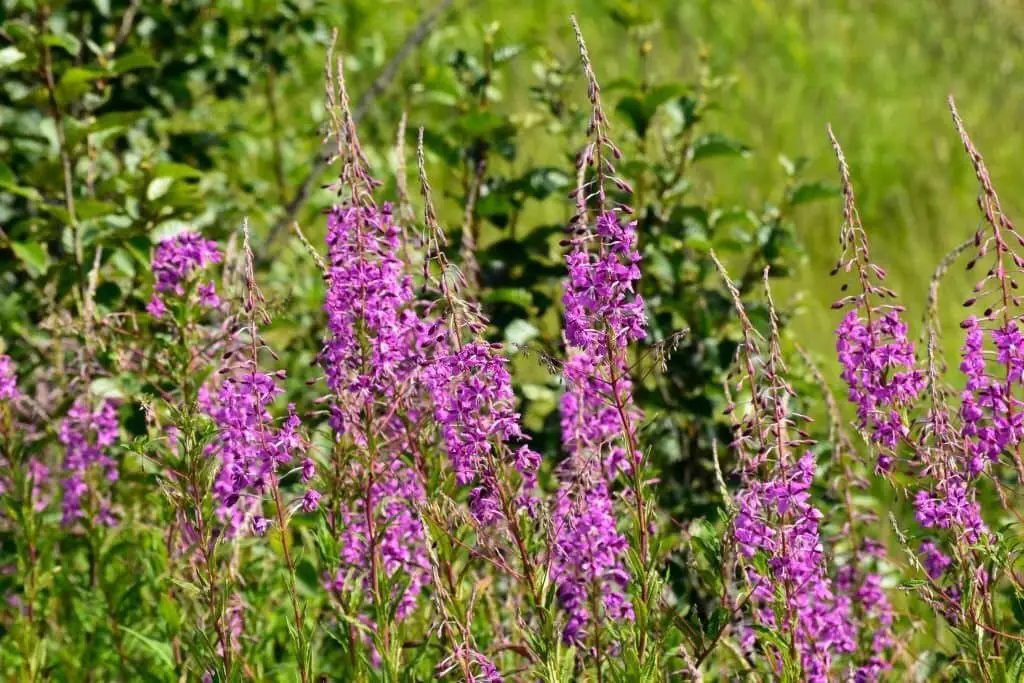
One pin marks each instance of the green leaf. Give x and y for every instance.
(133, 61)
(716, 622)
(804, 193)
(640, 112)
(33, 255)
(9, 56)
(481, 123)
(78, 74)
(162, 651)
(170, 169)
(633, 110)
(1017, 605)
(718, 145)
(158, 188)
(65, 41)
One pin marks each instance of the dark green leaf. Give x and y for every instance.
(65, 41)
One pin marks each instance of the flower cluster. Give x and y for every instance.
(252, 450)
(993, 418)
(386, 514)
(864, 589)
(377, 341)
(174, 261)
(88, 435)
(602, 307)
(935, 561)
(8, 380)
(374, 360)
(603, 314)
(951, 506)
(474, 405)
(590, 417)
(776, 518)
(879, 367)
(588, 566)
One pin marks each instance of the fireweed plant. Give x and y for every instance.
(166, 514)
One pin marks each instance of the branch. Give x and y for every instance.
(419, 33)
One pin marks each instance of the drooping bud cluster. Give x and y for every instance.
(88, 435)
(993, 351)
(878, 361)
(175, 260)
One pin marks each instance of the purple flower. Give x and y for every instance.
(602, 306)
(935, 561)
(588, 565)
(308, 469)
(310, 500)
(951, 506)
(8, 380)
(156, 307)
(993, 418)
(375, 357)
(377, 340)
(474, 404)
(88, 436)
(252, 448)
(775, 519)
(400, 536)
(174, 261)
(879, 367)
(260, 524)
(603, 314)
(208, 295)
(591, 423)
